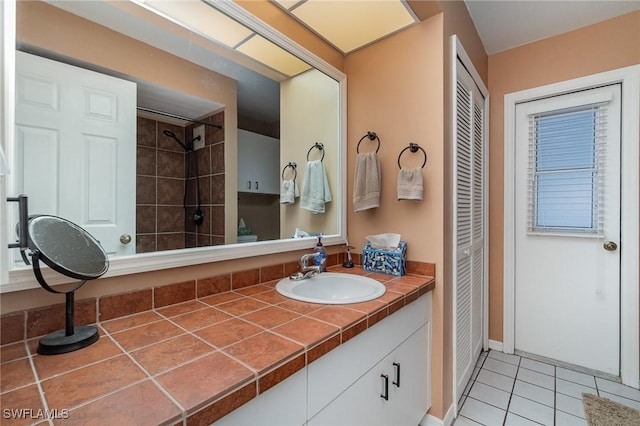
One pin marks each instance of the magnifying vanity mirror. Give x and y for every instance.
(70, 251)
(132, 118)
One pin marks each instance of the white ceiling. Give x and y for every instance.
(503, 25)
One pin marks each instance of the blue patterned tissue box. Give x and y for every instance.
(385, 261)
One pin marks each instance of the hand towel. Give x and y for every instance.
(315, 188)
(410, 186)
(289, 192)
(366, 182)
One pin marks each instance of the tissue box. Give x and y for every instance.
(384, 261)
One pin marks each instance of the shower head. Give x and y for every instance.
(169, 133)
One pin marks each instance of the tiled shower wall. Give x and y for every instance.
(161, 223)
(212, 181)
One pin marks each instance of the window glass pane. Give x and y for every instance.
(564, 171)
(565, 200)
(565, 142)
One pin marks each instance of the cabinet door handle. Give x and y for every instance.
(256, 185)
(248, 184)
(396, 367)
(385, 387)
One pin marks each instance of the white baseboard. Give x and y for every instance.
(495, 345)
(430, 420)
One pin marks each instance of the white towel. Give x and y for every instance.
(366, 182)
(410, 186)
(289, 192)
(315, 188)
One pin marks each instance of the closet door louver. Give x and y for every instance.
(463, 235)
(469, 228)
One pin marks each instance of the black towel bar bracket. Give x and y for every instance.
(413, 147)
(293, 167)
(319, 146)
(371, 136)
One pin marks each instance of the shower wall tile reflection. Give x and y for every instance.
(162, 167)
(211, 171)
(160, 186)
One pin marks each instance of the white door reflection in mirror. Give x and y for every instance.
(76, 147)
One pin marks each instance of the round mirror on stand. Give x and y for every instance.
(69, 250)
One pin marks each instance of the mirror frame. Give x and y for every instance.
(22, 279)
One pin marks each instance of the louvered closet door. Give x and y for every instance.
(469, 226)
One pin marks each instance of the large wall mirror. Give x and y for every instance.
(167, 129)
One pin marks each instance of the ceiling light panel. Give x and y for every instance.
(204, 19)
(272, 55)
(351, 24)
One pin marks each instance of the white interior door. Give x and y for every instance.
(567, 227)
(469, 226)
(76, 147)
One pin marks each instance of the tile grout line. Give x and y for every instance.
(504, 421)
(555, 394)
(555, 391)
(38, 381)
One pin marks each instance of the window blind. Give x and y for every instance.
(566, 173)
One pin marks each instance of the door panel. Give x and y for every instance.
(469, 226)
(76, 146)
(567, 286)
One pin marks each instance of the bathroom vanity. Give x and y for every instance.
(380, 377)
(247, 356)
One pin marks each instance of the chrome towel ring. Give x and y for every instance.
(319, 146)
(294, 167)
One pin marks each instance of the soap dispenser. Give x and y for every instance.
(321, 255)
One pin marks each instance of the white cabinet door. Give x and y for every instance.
(409, 386)
(333, 373)
(360, 404)
(283, 405)
(258, 163)
(407, 383)
(402, 376)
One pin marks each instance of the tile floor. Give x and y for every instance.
(511, 390)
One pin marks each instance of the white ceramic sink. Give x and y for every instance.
(332, 288)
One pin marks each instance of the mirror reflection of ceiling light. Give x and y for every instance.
(204, 18)
(351, 24)
(272, 55)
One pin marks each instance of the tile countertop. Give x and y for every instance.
(189, 363)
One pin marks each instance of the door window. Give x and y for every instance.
(566, 159)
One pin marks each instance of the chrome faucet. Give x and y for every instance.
(306, 270)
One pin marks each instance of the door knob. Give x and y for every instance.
(610, 246)
(125, 238)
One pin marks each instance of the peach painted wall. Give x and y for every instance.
(398, 88)
(597, 48)
(308, 106)
(395, 89)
